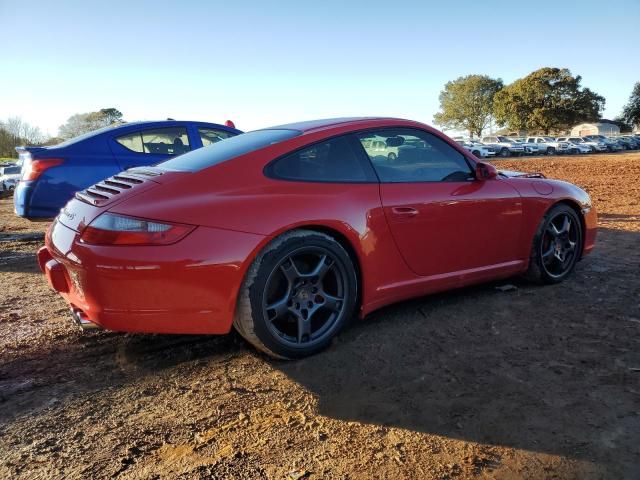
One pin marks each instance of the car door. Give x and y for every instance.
(148, 146)
(444, 220)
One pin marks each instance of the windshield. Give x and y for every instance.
(227, 149)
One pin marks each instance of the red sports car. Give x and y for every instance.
(285, 232)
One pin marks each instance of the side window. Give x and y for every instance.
(209, 136)
(166, 141)
(414, 156)
(333, 160)
(131, 141)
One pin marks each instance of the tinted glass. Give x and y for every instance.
(166, 141)
(331, 161)
(222, 151)
(209, 136)
(414, 156)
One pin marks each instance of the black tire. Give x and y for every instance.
(556, 246)
(311, 283)
(504, 152)
(551, 151)
(477, 154)
(392, 156)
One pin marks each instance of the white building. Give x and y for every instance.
(598, 128)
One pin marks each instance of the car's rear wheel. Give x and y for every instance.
(297, 295)
(556, 245)
(504, 152)
(392, 156)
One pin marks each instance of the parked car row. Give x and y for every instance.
(504, 146)
(47, 177)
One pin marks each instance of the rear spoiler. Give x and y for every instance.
(28, 153)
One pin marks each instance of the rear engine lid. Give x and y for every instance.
(120, 186)
(91, 202)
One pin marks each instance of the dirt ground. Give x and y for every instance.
(537, 382)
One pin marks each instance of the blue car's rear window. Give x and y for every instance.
(227, 149)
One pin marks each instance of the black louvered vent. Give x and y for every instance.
(107, 190)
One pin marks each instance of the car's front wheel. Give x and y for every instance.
(556, 246)
(505, 152)
(297, 295)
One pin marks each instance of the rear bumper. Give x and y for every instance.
(23, 203)
(188, 287)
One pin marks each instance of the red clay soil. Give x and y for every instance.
(537, 382)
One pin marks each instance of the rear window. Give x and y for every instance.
(226, 150)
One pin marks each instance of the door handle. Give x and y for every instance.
(404, 211)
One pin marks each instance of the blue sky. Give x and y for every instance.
(262, 63)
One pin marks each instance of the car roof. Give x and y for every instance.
(128, 126)
(315, 125)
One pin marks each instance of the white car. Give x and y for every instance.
(583, 146)
(505, 146)
(375, 148)
(529, 148)
(549, 145)
(478, 149)
(9, 178)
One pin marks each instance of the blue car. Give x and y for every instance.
(52, 175)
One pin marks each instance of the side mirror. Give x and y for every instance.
(485, 171)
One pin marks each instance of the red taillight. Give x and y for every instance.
(111, 229)
(32, 169)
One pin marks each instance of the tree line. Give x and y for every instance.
(15, 132)
(546, 101)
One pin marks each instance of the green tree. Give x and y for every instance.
(545, 100)
(631, 111)
(111, 115)
(467, 103)
(81, 123)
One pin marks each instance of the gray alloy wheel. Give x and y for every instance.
(557, 245)
(504, 152)
(298, 294)
(551, 151)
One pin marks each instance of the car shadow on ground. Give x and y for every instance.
(91, 362)
(543, 368)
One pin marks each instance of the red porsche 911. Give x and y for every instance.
(284, 233)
